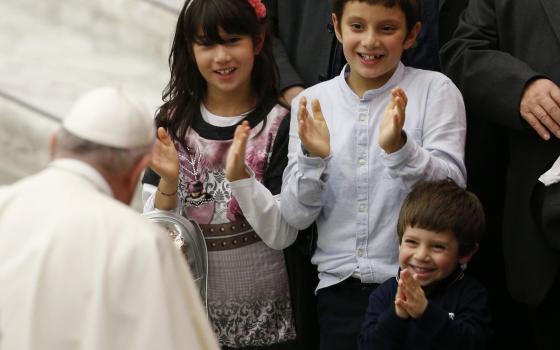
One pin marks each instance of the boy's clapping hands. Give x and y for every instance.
(391, 137)
(410, 300)
(313, 131)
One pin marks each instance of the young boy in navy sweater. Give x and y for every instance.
(432, 304)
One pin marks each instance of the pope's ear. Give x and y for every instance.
(464, 259)
(53, 141)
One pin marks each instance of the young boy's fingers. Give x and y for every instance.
(400, 92)
(302, 110)
(316, 108)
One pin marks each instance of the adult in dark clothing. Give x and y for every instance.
(504, 58)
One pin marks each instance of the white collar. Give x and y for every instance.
(85, 170)
(369, 94)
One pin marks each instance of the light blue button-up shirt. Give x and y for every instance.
(356, 193)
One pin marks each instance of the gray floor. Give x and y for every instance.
(51, 51)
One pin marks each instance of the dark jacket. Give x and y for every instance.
(500, 46)
(456, 318)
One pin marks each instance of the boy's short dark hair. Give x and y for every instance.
(443, 206)
(412, 8)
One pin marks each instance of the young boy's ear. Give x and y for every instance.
(467, 257)
(412, 35)
(336, 26)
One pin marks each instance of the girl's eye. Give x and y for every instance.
(356, 26)
(233, 40)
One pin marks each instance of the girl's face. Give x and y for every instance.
(227, 67)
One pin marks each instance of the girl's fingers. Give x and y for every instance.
(163, 136)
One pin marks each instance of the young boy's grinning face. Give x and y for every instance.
(431, 256)
(373, 38)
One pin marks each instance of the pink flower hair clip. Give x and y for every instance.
(260, 9)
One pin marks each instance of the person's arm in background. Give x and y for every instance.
(494, 82)
(291, 84)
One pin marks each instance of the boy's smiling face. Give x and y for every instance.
(373, 38)
(429, 255)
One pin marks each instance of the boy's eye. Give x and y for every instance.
(410, 242)
(439, 247)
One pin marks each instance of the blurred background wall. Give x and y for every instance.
(51, 51)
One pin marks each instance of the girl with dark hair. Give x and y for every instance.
(223, 76)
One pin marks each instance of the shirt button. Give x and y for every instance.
(360, 252)
(362, 161)
(362, 208)
(362, 118)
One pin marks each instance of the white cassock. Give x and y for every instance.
(79, 270)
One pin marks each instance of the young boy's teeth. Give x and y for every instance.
(371, 57)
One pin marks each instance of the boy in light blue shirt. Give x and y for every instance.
(352, 180)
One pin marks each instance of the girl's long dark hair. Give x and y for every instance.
(187, 88)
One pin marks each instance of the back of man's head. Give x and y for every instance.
(109, 129)
(111, 117)
(106, 126)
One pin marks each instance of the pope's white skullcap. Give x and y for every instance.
(110, 117)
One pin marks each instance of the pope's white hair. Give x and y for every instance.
(113, 160)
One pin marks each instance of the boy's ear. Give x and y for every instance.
(467, 257)
(336, 26)
(412, 35)
(259, 43)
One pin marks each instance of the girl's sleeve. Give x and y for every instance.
(260, 203)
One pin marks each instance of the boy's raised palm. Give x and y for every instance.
(413, 299)
(392, 122)
(313, 131)
(164, 157)
(235, 162)
(400, 299)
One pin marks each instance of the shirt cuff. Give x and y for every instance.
(313, 167)
(243, 182)
(396, 159)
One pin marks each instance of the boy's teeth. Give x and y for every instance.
(371, 57)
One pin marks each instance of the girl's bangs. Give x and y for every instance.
(203, 25)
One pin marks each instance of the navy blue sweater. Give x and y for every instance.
(457, 317)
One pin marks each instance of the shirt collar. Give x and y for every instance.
(369, 94)
(84, 170)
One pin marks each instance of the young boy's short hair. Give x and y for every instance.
(443, 206)
(412, 8)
